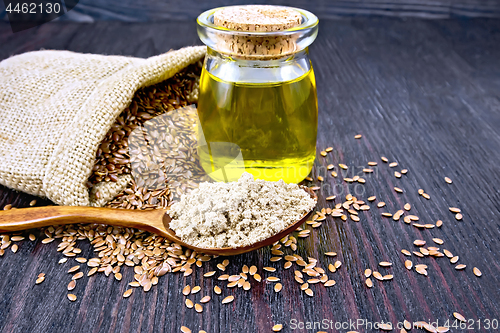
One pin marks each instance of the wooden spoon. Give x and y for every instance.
(156, 221)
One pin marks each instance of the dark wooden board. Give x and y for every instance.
(423, 93)
(158, 10)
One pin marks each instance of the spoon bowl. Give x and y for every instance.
(156, 221)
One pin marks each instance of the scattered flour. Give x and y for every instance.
(237, 214)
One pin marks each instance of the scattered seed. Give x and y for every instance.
(72, 297)
(331, 254)
(127, 293)
(419, 242)
(406, 252)
(385, 264)
(40, 279)
(458, 267)
(477, 272)
(195, 290)
(455, 210)
(273, 279)
(332, 197)
(448, 180)
(388, 277)
(369, 283)
(184, 329)
(459, 316)
(198, 308)
(74, 269)
(418, 254)
(384, 159)
(187, 290)
(228, 299)
(92, 271)
(72, 285)
(397, 189)
(358, 136)
(438, 241)
(421, 270)
(408, 264)
(278, 287)
(381, 204)
(385, 327)
(277, 328)
(309, 292)
(393, 164)
(458, 216)
(454, 259)
(329, 283)
(257, 277)
(404, 171)
(397, 174)
(14, 248)
(407, 206)
(77, 276)
(368, 272)
(425, 195)
(377, 275)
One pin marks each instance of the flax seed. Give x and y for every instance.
(228, 299)
(277, 327)
(459, 316)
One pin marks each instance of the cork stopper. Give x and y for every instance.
(257, 18)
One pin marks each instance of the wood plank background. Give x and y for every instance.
(159, 10)
(424, 93)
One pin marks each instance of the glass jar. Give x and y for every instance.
(258, 101)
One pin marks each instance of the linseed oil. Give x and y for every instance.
(272, 124)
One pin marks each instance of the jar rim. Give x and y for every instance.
(309, 21)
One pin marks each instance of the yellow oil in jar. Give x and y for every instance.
(273, 125)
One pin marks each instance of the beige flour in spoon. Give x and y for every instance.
(237, 214)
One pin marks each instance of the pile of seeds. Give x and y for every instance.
(171, 140)
(151, 256)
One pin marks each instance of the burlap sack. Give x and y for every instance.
(57, 106)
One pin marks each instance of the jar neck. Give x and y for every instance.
(279, 61)
(234, 69)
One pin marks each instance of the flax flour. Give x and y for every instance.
(237, 214)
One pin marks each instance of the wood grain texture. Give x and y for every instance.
(157, 10)
(423, 93)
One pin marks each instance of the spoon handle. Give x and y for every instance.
(27, 218)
